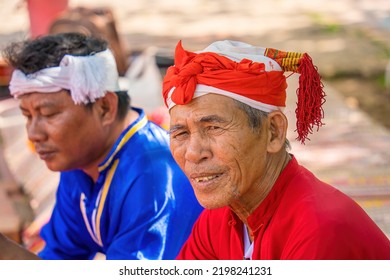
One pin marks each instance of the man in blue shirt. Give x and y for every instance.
(120, 193)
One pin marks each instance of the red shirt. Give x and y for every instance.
(301, 218)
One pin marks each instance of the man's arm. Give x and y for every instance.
(10, 250)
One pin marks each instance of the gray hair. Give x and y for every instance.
(256, 118)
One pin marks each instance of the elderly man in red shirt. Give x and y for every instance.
(228, 134)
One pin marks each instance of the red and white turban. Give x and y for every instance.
(87, 78)
(250, 74)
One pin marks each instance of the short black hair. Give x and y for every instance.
(32, 55)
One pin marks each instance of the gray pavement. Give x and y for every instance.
(350, 152)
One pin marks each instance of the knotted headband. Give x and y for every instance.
(252, 75)
(87, 78)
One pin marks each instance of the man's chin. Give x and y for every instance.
(55, 167)
(210, 203)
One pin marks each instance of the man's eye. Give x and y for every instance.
(49, 114)
(213, 128)
(179, 135)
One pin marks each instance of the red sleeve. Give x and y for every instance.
(199, 245)
(337, 242)
(328, 235)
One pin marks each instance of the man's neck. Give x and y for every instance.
(115, 132)
(244, 208)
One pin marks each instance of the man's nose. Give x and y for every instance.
(35, 130)
(198, 148)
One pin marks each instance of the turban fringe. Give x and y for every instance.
(311, 97)
(249, 79)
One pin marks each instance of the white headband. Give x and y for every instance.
(87, 78)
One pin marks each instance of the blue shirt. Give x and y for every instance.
(141, 207)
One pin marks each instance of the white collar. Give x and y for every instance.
(248, 245)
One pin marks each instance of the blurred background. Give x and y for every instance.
(348, 40)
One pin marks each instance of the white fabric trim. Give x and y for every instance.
(248, 245)
(87, 78)
(203, 90)
(169, 100)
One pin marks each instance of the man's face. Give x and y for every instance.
(66, 136)
(212, 142)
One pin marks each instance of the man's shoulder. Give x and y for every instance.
(151, 135)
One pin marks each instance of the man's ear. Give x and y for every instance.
(107, 107)
(277, 131)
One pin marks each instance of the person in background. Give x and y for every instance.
(41, 13)
(228, 134)
(120, 194)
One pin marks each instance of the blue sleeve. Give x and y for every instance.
(157, 212)
(148, 213)
(65, 234)
(141, 222)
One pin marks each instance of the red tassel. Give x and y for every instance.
(311, 97)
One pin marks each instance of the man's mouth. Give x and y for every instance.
(205, 178)
(45, 155)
